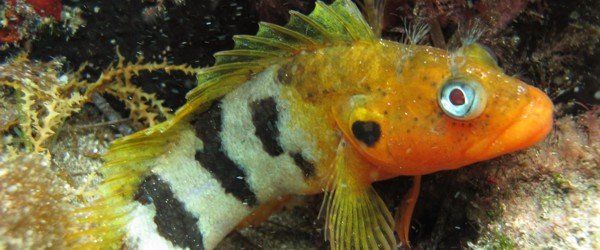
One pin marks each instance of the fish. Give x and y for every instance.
(320, 105)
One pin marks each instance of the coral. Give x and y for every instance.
(35, 204)
(40, 191)
(9, 115)
(47, 99)
(555, 203)
(72, 20)
(45, 8)
(495, 15)
(558, 53)
(22, 17)
(563, 58)
(489, 15)
(159, 9)
(144, 108)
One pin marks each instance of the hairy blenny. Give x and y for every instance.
(320, 105)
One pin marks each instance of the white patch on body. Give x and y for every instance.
(143, 232)
(268, 176)
(203, 196)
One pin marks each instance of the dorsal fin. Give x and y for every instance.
(130, 158)
(327, 25)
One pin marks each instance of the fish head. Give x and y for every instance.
(443, 111)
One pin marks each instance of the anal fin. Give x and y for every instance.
(357, 218)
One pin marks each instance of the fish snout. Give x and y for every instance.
(531, 126)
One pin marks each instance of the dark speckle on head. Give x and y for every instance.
(367, 132)
(282, 76)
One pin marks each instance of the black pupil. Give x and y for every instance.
(457, 97)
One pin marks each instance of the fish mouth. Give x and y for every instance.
(530, 127)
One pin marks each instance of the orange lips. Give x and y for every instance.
(530, 127)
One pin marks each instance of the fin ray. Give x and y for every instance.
(356, 218)
(284, 34)
(261, 43)
(125, 167)
(244, 55)
(312, 28)
(338, 23)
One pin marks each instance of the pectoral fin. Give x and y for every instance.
(356, 216)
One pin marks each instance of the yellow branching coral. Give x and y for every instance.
(8, 115)
(144, 107)
(47, 98)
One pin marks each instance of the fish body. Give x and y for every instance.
(322, 104)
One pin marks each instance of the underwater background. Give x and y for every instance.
(140, 57)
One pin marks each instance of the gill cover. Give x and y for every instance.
(365, 127)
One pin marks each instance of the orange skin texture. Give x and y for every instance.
(397, 86)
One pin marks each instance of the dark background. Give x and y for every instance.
(551, 44)
(548, 53)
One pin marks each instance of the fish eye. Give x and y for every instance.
(462, 99)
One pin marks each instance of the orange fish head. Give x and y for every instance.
(443, 111)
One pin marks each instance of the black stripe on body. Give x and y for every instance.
(308, 168)
(208, 126)
(173, 221)
(264, 118)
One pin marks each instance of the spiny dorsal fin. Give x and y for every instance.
(328, 25)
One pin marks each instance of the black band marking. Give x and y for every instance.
(367, 132)
(173, 221)
(232, 178)
(265, 117)
(307, 167)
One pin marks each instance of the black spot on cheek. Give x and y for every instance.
(367, 132)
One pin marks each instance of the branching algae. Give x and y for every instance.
(47, 98)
